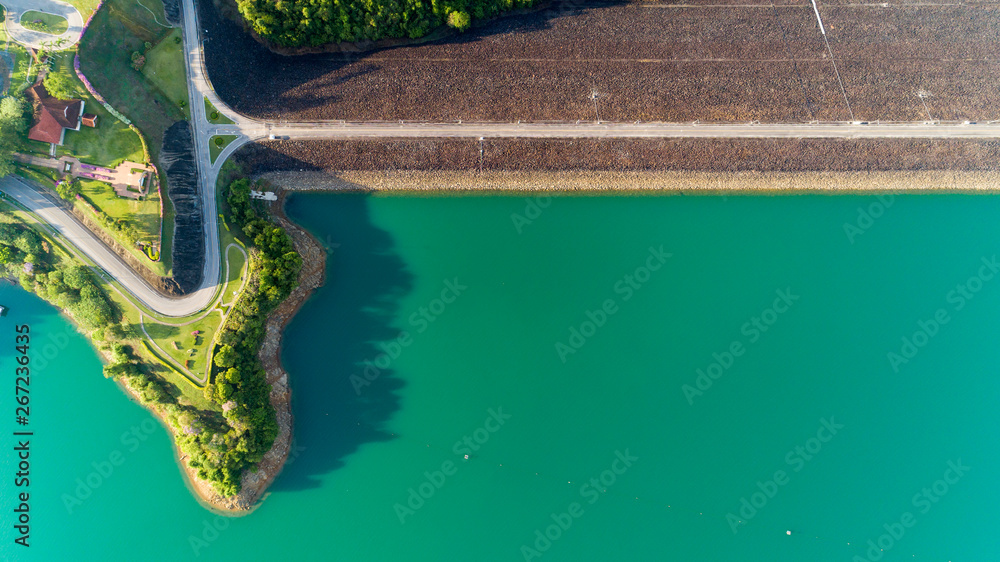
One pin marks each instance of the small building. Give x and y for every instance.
(266, 195)
(89, 119)
(52, 116)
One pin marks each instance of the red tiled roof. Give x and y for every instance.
(52, 115)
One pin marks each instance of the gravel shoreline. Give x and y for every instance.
(457, 182)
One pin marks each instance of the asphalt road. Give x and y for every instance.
(37, 40)
(337, 130)
(248, 130)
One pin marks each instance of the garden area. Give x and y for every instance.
(44, 22)
(214, 117)
(86, 7)
(141, 216)
(108, 144)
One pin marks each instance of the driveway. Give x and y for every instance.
(38, 40)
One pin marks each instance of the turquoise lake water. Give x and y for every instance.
(678, 378)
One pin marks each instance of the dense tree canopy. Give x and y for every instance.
(14, 113)
(71, 287)
(59, 85)
(295, 23)
(239, 382)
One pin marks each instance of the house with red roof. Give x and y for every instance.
(52, 116)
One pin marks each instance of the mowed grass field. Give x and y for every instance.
(702, 60)
(110, 143)
(165, 69)
(152, 98)
(85, 7)
(123, 27)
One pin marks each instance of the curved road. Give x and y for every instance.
(248, 130)
(72, 231)
(36, 39)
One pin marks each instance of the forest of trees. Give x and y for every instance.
(240, 384)
(70, 287)
(15, 115)
(296, 23)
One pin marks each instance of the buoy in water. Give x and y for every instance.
(788, 532)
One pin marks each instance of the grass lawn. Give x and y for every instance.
(214, 116)
(180, 343)
(86, 7)
(44, 22)
(120, 28)
(181, 385)
(110, 143)
(236, 264)
(144, 214)
(165, 69)
(217, 144)
(19, 60)
(43, 176)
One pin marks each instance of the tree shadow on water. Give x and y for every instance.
(337, 334)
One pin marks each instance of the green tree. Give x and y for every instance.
(14, 113)
(68, 188)
(225, 357)
(59, 85)
(5, 254)
(13, 124)
(76, 276)
(459, 20)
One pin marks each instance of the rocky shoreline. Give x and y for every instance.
(255, 484)
(457, 182)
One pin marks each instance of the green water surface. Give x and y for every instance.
(582, 325)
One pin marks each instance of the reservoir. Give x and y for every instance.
(576, 378)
